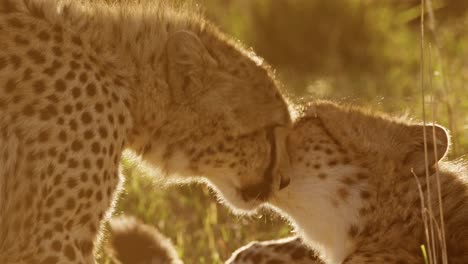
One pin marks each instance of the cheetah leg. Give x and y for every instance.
(385, 256)
(288, 250)
(53, 197)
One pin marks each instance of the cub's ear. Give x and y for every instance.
(187, 59)
(438, 143)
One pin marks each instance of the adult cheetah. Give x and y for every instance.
(353, 196)
(81, 82)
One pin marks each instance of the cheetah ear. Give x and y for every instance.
(436, 150)
(187, 59)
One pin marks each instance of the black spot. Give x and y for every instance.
(83, 77)
(70, 75)
(10, 86)
(86, 247)
(77, 41)
(44, 36)
(275, 261)
(52, 70)
(70, 252)
(76, 145)
(353, 231)
(58, 38)
(99, 107)
(103, 132)
(91, 89)
(72, 164)
(88, 134)
(72, 182)
(79, 106)
(96, 148)
(60, 85)
(365, 194)
(99, 196)
(50, 260)
(73, 125)
(100, 163)
(299, 253)
(27, 74)
(43, 136)
(39, 86)
(3, 63)
(21, 40)
(15, 22)
(28, 110)
(56, 245)
(36, 56)
(16, 60)
(74, 65)
(86, 118)
(86, 218)
(68, 109)
(76, 92)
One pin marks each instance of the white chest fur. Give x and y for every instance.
(324, 207)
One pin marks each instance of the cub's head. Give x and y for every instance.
(373, 138)
(227, 120)
(342, 159)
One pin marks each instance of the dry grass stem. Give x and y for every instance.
(428, 223)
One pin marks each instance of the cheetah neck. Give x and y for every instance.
(322, 217)
(325, 194)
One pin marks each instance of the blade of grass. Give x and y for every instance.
(441, 225)
(452, 123)
(423, 250)
(430, 232)
(423, 211)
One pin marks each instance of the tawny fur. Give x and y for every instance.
(133, 242)
(353, 197)
(79, 83)
(288, 250)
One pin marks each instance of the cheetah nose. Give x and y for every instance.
(284, 183)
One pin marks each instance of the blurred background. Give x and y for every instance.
(366, 52)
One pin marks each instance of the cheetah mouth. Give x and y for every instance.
(276, 170)
(273, 173)
(281, 156)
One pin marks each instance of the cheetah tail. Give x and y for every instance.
(133, 242)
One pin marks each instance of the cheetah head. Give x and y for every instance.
(344, 160)
(227, 121)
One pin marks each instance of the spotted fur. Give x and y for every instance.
(133, 242)
(282, 251)
(353, 197)
(79, 83)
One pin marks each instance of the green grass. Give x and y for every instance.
(202, 230)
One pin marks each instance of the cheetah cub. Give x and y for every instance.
(353, 197)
